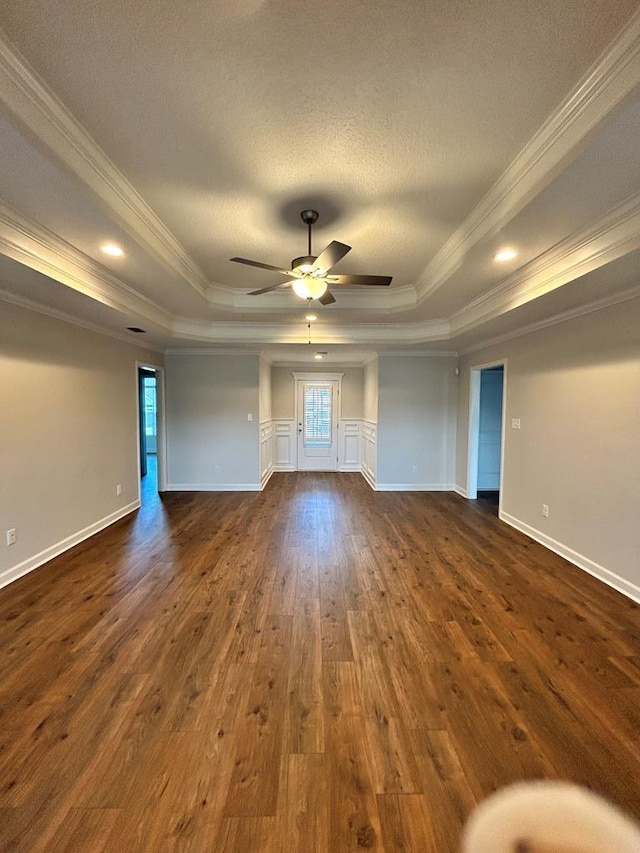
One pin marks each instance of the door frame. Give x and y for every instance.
(142, 438)
(301, 378)
(161, 428)
(475, 372)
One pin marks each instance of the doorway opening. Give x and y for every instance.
(317, 417)
(148, 410)
(486, 435)
(151, 442)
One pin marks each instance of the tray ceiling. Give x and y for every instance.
(428, 136)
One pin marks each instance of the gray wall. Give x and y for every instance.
(283, 389)
(208, 400)
(370, 392)
(417, 399)
(576, 389)
(264, 383)
(68, 431)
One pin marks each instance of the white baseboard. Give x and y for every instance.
(414, 487)
(283, 468)
(14, 572)
(605, 575)
(459, 490)
(213, 487)
(368, 477)
(349, 469)
(266, 477)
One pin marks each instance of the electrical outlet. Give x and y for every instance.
(414, 470)
(249, 417)
(545, 510)
(12, 535)
(515, 423)
(119, 489)
(217, 469)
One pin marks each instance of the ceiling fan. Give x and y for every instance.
(311, 274)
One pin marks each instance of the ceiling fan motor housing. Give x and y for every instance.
(303, 264)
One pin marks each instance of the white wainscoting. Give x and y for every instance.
(349, 445)
(284, 436)
(356, 447)
(369, 431)
(266, 451)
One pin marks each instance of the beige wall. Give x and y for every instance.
(283, 389)
(208, 400)
(576, 389)
(68, 433)
(417, 398)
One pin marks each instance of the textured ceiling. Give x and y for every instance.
(222, 120)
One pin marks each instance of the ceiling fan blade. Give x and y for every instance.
(260, 265)
(327, 298)
(360, 279)
(267, 289)
(330, 256)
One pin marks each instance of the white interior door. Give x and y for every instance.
(317, 423)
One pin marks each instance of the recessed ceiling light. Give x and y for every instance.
(506, 254)
(310, 317)
(318, 356)
(112, 249)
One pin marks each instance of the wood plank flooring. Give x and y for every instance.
(317, 667)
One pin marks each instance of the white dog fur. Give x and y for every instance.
(549, 817)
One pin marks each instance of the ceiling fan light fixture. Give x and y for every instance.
(309, 287)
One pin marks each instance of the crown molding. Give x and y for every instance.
(613, 76)
(43, 113)
(557, 319)
(615, 234)
(55, 314)
(40, 249)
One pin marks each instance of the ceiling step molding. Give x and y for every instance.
(279, 333)
(73, 320)
(43, 113)
(609, 238)
(613, 76)
(34, 246)
(556, 319)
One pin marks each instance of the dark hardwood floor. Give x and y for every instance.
(318, 667)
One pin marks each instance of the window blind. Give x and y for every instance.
(317, 414)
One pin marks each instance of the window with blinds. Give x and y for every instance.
(317, 415)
